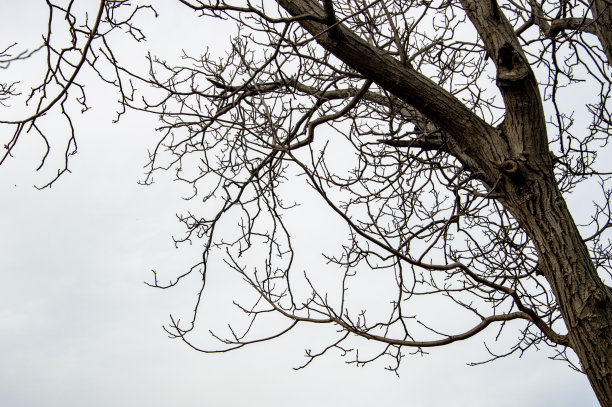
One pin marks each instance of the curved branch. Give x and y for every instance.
(400, 342)
(79, 65)
(532, 315)
(409, 85)
(40, 112)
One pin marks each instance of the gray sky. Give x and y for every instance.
(79, 328)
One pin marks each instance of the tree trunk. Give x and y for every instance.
(585, 302)
(516, 151)
(602, 16)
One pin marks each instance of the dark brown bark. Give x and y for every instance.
(602, 16)
(531, 194)
(585, 302)
(514, 158)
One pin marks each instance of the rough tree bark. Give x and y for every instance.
(602, 16)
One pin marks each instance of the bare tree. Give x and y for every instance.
(445, 136)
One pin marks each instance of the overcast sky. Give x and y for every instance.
(78, 327)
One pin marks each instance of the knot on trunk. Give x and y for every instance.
(510, 65)
(509, 166)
